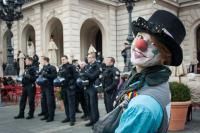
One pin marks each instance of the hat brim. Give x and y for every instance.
(171, 45)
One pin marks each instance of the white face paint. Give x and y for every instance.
(144, 58)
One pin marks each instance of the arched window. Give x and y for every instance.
(91, 33)
(198, 49)
(198, 43)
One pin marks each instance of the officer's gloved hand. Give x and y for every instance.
(59, 74)
(107, 90)
(28, 76)
(44, 74)
(81, 74)
(63, 74)
(85, 75)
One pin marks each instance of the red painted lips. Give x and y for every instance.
(138, 54)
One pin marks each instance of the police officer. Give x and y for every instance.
(49, 72)
(28, 91)
(43, 95)
(75, 63)
(36, 60)
(92, 72)
(68, 71)
(111, 77)
(81, 93)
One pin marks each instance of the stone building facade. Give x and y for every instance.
(75, 24)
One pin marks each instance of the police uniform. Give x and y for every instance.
(68, 71)
(80, 97)
(48, 97)
(78, 94)
(28, 91)
(43, 99)
(111, 77)
(92, 72)
(36, 61)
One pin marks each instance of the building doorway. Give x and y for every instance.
(28, 41)
(90, 33)
(54, 31)
(198, 43)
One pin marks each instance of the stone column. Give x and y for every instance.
(71, 29)
(39, 47)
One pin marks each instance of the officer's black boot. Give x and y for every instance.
(89, 124)
(66, 120)
(41, 114)
(29, 117)
(20, 116)
(44, 118)
(72, 123)
(51, 115)
(85, 117)
(50, 120)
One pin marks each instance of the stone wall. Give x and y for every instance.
(72, 15)
(191, 19)
(144, 9)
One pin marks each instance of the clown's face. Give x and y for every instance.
(144, 53)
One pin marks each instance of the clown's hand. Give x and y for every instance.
(124, 104)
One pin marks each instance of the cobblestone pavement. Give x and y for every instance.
(10, 125)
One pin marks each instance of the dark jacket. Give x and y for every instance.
(69, 72)
(30, 75)
(49, 72)
(92, 72)
(36, 60)
(111, 77)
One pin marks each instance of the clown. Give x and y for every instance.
(156, 45)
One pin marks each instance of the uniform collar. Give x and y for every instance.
(92, 63)
(28, 66)
(47, 65)
(110, 66)
(66, 64)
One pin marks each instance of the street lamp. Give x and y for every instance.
(10, 10)
(129, 5)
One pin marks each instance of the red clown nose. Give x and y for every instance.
(141, 44)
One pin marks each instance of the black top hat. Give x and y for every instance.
(167, 28)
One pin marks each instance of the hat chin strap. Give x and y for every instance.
(167, 32)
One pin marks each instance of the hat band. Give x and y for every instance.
(167, 33)
(151, 26)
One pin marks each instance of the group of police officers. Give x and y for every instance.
(86, 81)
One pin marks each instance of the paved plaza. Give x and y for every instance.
(10, 125)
